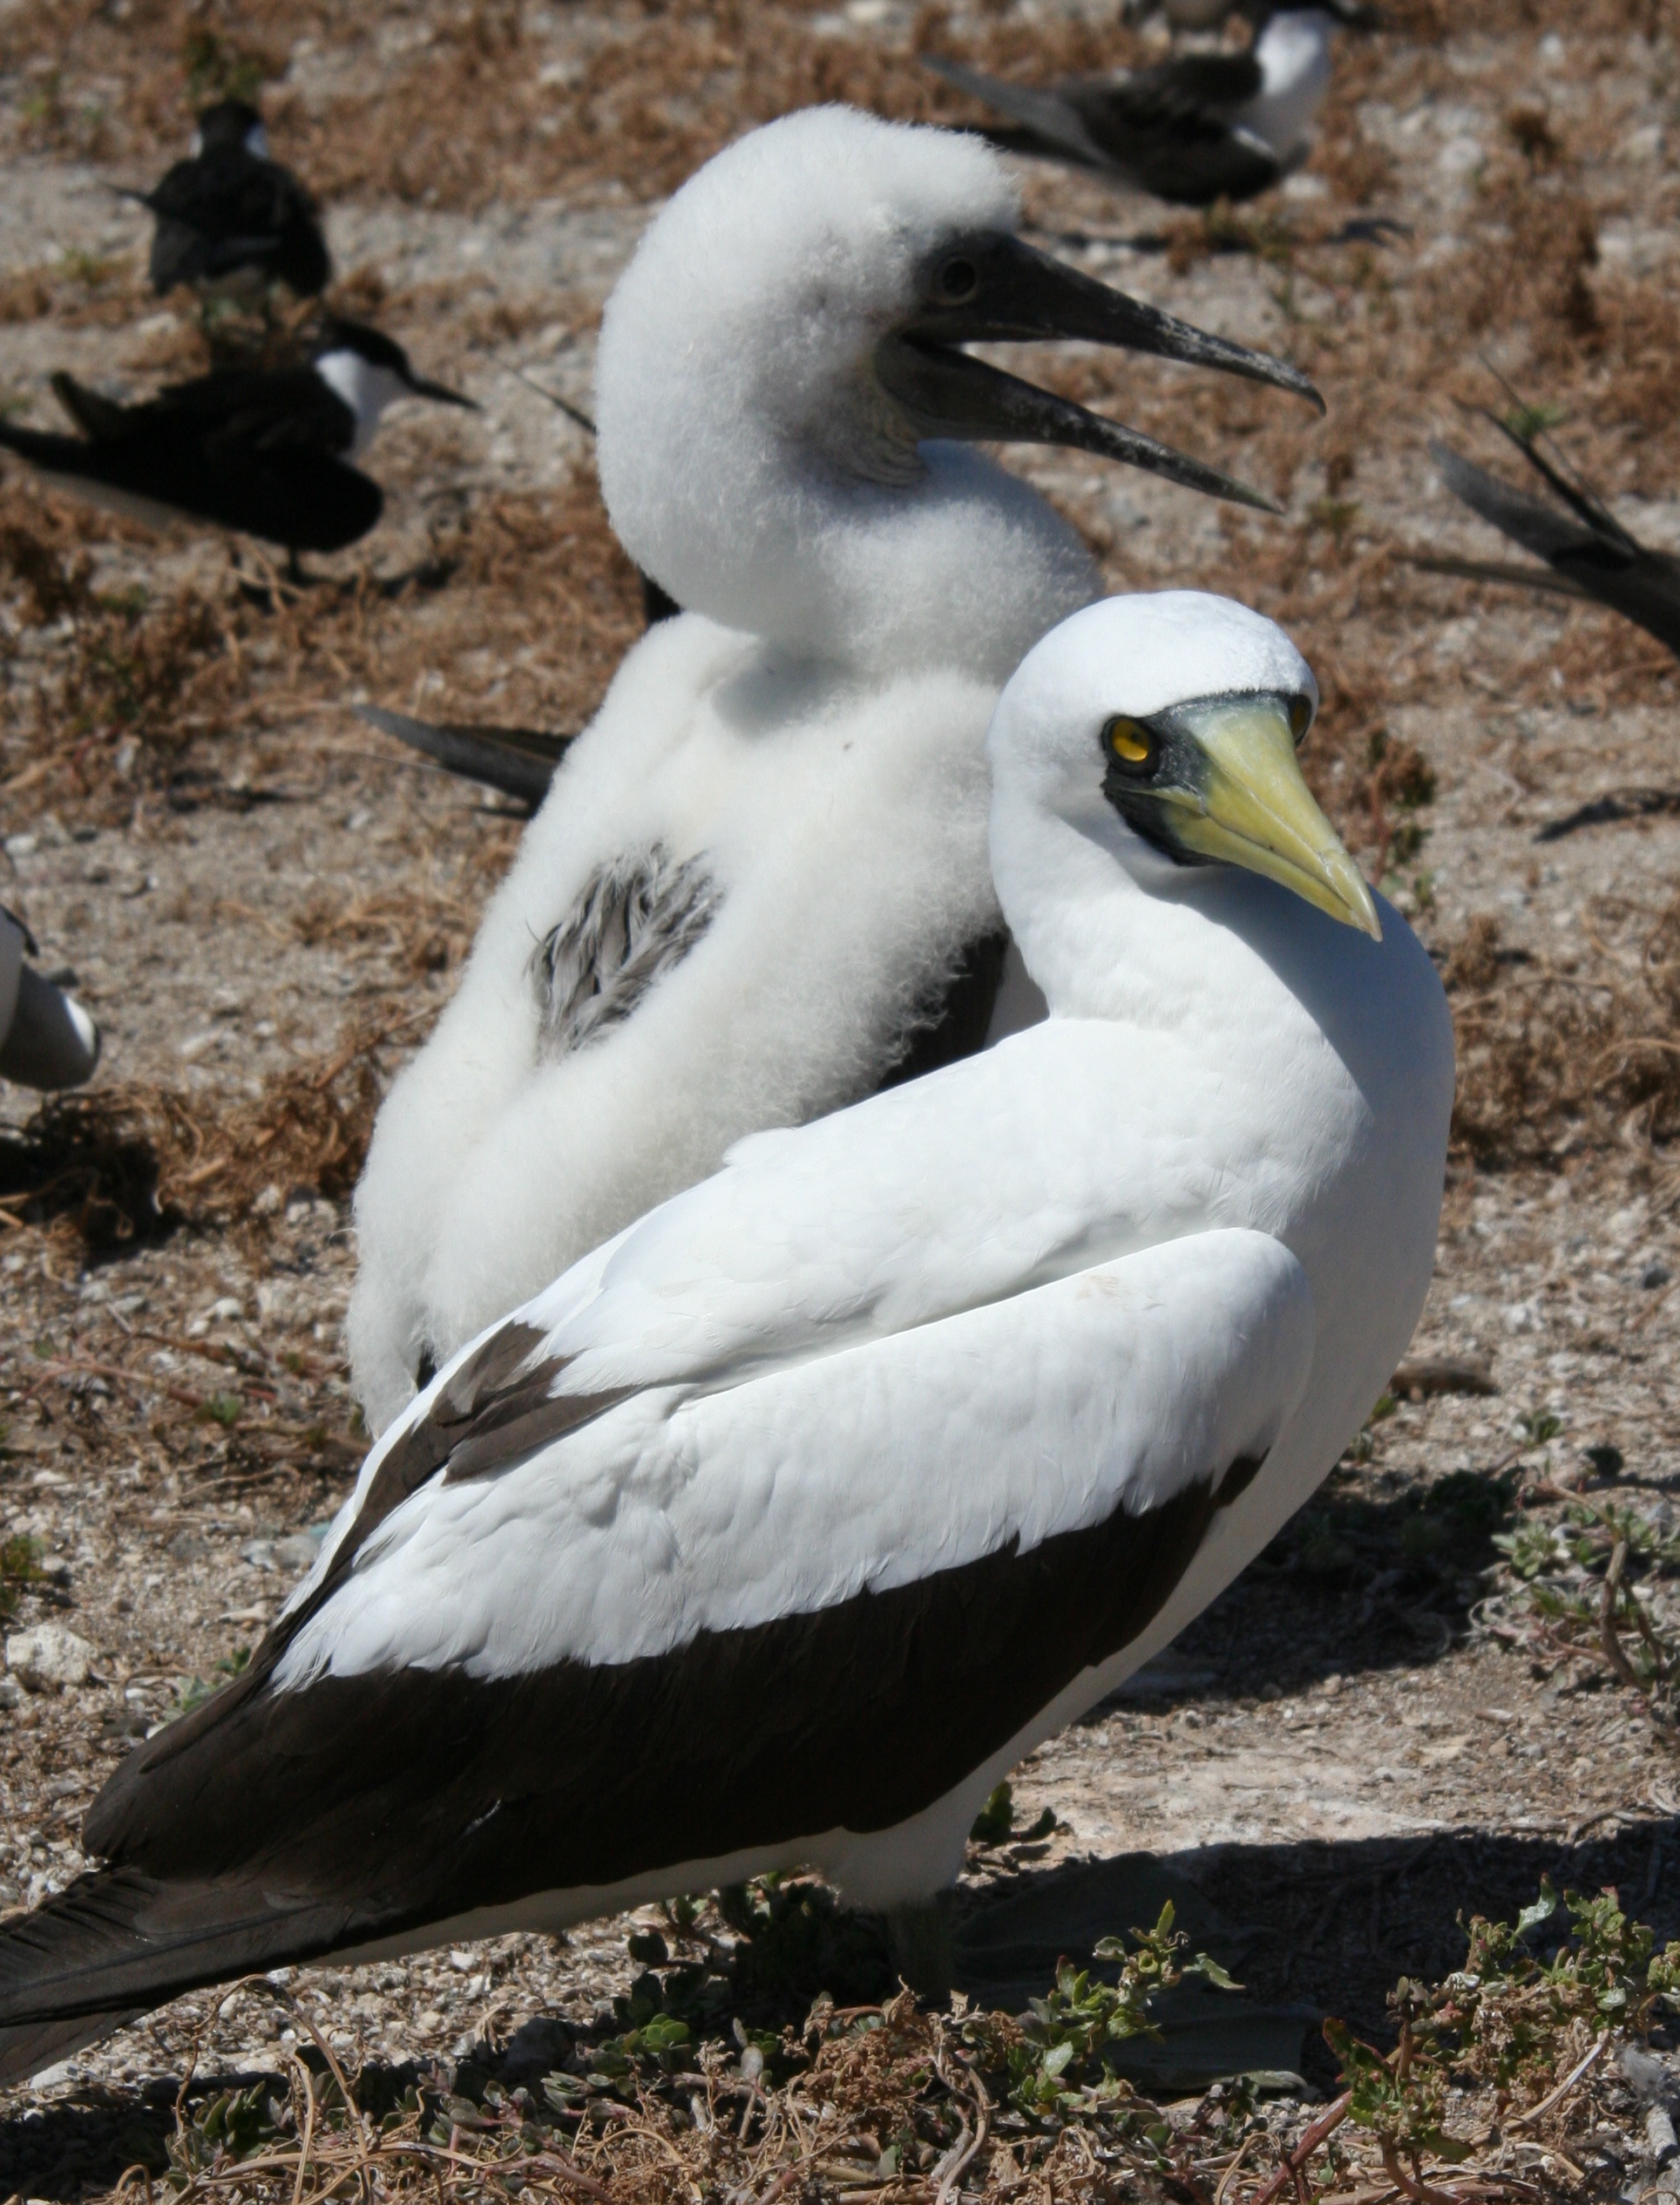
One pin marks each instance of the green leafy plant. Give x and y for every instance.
(1507, 2019)
(1585, 1584)
(1530, 422)
(995, 1824)
(19, 1567)
(232, 2126)
(1059, 2064)
(217, 71)
(193, 1690)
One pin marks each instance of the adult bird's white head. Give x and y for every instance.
(1111, 774)
(785, 406)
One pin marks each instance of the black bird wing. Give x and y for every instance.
(1196, 92)
(1584, 545)
(520, 762)
(246, 450)
(1050, 122)
(231, 410)
(1170, 130)
(1173, 128)
(255, 409)
(228, 209)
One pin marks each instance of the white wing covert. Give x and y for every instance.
(611, 1528)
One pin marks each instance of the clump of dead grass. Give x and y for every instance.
(127, 677)
(659, 2104)
(1553, 1061)
(116, 1165)
(136, 688)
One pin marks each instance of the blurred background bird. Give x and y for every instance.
(1198, 127)
(47, 1040)
(1587, 551)
(265, 451)
(230, 215)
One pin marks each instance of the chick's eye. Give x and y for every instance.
(1128, 741)
(959, 279)
(1300, 717)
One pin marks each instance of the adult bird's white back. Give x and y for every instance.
(777, 1529)
(758, 886)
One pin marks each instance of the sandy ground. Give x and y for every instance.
(254, 889)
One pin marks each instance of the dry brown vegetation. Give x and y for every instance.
(212, 690)
(141, 688)
(114, 1163)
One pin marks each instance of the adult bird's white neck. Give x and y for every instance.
(1110, 929)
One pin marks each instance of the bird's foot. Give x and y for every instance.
(924, 1939)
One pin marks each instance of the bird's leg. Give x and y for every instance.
(294, 573)
(923, 1944)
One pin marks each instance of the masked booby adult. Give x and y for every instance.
(1587, 551)
(1191, 130)
(758, 886)
(777, 1529)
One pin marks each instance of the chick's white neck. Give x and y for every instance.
(962, 566)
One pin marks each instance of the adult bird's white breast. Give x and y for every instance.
(761, 874)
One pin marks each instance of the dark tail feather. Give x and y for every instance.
(520, 762)
(54, 455)
(1046, 115)
(1538, 528)
(1579, 499)
(1543, 578)
(117, 1943)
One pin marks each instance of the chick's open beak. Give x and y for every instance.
(1013, 294)
(1246, 804)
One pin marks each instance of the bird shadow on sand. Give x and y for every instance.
(1309, 1928)
(1375, 1573)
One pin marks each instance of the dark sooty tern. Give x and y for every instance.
(265, 451)
(1200, 127)
(230, 213)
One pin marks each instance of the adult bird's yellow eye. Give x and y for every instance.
(1300, 717)
(1128, 740)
